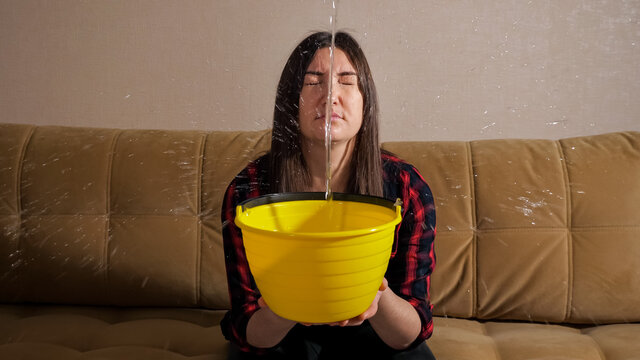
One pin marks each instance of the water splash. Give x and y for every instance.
(328, 108)
(529, 206)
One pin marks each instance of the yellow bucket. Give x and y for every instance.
(318, 261)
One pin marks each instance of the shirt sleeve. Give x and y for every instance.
(243, 292)
(413, 258)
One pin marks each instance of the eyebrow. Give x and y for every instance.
(320, 73)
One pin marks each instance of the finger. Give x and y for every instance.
(358, 320)
(337, 323)
(384, 285)
(261, 302)
(361, 318)
(372, 310)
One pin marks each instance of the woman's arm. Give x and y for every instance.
(404, 317)
(266, 329)
(396, 322)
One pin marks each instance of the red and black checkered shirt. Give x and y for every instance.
(412, 257)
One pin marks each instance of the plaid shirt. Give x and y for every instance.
(412, 257)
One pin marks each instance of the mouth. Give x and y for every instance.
(334, 116)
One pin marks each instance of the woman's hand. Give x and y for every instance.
(358, 320)
(265, 328)
(263, 306)
(262, 303)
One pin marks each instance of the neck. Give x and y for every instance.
(315, 154)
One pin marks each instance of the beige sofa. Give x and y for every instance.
(110, 244)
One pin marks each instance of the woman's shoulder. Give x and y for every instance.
(400, 172)
(393, 164)
(255, 166)
(253, 175)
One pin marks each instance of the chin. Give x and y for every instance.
(336, 139)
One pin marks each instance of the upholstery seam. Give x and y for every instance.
(199, 200)
(19, 170)
(107, 233)
(569, 205)
(597, 344)
(522, 229)
(494, 343)
(550, 228)
(474, 241)
(603, 227)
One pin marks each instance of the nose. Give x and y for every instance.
(334, 96)
(335, 92)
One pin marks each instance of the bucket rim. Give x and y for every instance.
(301, 196)
(315, 196)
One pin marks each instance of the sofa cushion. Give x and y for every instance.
(467, 339)
(73, 332)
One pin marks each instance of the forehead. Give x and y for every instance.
(322, 60)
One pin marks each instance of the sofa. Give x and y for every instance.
(110, 243)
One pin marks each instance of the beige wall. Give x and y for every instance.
(445, 70)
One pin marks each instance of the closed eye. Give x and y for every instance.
(313, 78)
(348, 79)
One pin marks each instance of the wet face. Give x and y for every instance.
(346, 99)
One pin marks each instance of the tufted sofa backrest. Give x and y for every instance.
(123, 217)
(535, 230)
(526, 229)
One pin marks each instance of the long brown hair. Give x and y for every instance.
(288, 171)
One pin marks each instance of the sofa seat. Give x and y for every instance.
(495, 340)
(87, 332)
(77, 332)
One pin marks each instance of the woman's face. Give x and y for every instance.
(346, 99)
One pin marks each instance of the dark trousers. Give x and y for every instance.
(327, 342)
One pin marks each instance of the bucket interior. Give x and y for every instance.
(309, 213)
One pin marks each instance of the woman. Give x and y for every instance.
(399, 318)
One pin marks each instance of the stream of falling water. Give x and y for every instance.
(328, 108)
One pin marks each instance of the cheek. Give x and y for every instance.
(360, 111)
(356, 104)
(307, 102)
(306, 112)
